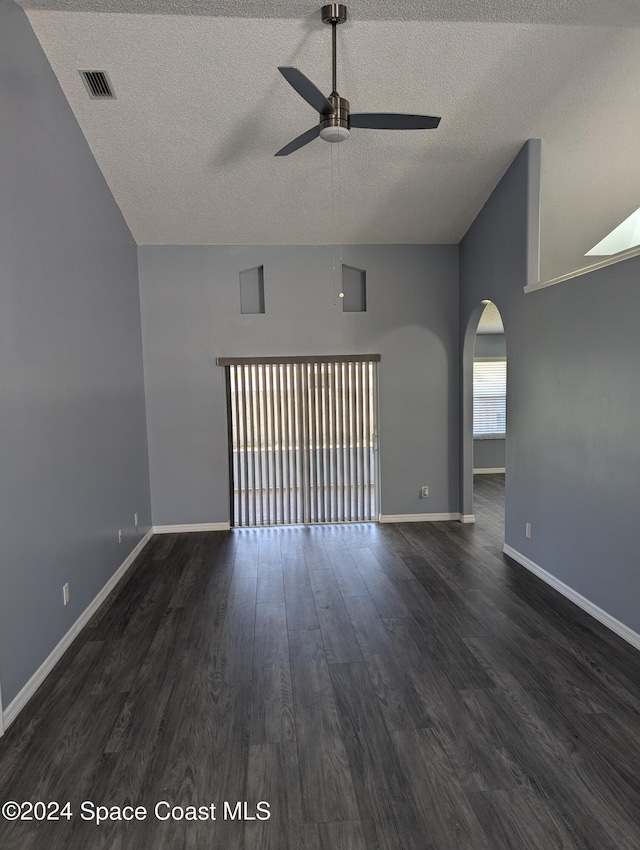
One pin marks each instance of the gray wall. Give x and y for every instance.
(489, 453)
(490, 345)
(573, 407)
(74, 453)
(191, 314)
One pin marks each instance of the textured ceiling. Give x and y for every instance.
(187, 147)
(611, 13)
(490, 320)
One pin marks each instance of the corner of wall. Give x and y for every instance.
(534, 163)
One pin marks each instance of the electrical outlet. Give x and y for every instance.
(119, 535)
(424, 492)
(527, 529)
(135, 519)
(65, 594)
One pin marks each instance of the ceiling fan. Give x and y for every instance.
(336, 121)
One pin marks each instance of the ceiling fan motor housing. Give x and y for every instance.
(334, 127)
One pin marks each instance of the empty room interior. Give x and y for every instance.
(319, 425)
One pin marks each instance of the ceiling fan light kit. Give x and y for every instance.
(335, 118)
(334, 127)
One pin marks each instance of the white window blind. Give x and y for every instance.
(489, 397)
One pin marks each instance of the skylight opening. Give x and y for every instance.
(623, 238)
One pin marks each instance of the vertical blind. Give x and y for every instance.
(489, 397)
(302, 439)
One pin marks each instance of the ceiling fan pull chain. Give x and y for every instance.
(334, 233)
(339, 215)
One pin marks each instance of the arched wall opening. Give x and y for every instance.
(484, 342)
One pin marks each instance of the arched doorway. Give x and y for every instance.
(483, 450)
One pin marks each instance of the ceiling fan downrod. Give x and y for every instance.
(334, 126)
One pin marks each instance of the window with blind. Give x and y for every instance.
(489, 397)
(302, 436)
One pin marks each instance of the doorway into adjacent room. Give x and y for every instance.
(302, 439)
(489, 419)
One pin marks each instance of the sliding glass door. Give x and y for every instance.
(302, 434)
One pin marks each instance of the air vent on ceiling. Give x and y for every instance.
(97, 84)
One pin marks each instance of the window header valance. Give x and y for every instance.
(312, 358)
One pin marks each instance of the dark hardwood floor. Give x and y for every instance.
(402, 687)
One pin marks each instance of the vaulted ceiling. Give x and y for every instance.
(187, 145)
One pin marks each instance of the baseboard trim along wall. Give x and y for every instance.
(200, 526)
(489, 470)
(15, 707)
(418, 517)
(578, 599)
(467, 518)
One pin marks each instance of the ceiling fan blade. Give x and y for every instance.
(393, 121)
(300, 142)
(306, 89)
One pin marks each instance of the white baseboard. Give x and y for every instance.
(18, 703)
(467, 518)
(578, 599)
(418, 517)
(489, 470)
(200, 526)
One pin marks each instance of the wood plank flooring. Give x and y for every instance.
(393, 687)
